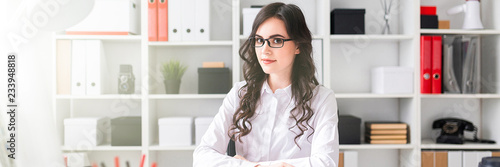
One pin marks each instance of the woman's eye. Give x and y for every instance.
(260, 40)
(277, 40)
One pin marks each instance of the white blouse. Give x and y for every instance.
(271, 141)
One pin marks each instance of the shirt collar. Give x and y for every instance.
(267, 89)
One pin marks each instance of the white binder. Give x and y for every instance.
(202, 20)
(174, 20)
(188, 20)
(350, 159)
(78, 67)
(96, 70)
(469, 158)
(317, 55)
(455, 158)
(63, 65)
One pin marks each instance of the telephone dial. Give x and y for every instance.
(452, 131)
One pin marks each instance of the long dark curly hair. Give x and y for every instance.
(303, 79)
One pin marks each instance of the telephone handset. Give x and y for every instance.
(452, 131)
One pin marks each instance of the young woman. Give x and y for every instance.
(278, 116)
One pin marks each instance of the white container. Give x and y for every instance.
(109, 17)
(80, 133)
(249, 15)
(76, 159)
(392, 80)
(176, 131)
(201, 125)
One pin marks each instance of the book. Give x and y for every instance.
(387, 132)
(385, 125)
(386, 137)
(399, 141)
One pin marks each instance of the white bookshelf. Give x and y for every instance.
(346, 71)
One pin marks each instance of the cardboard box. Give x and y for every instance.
(347, 21)
(201, 125)
(84, 132)
(214, 80)
(175, 131)
(392, 80)
(126, 131)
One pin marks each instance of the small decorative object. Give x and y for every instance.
(126, 79)
(386, 4)
(172, 72)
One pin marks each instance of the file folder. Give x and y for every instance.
(78, 52)
(63, 65)
(425, 64)
(96, 70)
(436, 64)
(461, 64)
(163, 20)
(202, 20)
(452, 68)
(471, 69)
(174, 20)
(188, 20)
(153, 20)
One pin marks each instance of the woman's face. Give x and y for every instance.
(275, 61)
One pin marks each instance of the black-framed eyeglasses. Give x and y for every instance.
(275, 42)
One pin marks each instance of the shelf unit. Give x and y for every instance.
(355, 54)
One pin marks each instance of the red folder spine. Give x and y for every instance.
(163, 20)
(436, 64)
(425, 64)
(152, 20)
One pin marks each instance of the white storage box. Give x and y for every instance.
(109, 17)
(200, 127)
(392, 80)
(85, 132)
(249, 15)
(175, 131)
(76, 159)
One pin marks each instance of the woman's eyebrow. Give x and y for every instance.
(277, 35)
(272, 36)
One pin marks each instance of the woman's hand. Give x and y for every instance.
(281, 164)
(240, 157)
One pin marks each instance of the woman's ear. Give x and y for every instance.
(297, 50)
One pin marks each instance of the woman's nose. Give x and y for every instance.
(265, 49)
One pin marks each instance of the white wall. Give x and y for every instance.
(37, 143)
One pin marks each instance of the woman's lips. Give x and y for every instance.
(267, 61)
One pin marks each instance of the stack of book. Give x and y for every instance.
(386, 133)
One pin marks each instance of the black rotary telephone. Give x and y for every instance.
(452, 131)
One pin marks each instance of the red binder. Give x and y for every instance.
(152, 20)
(425, 63)
(436, 64)
(162, 20)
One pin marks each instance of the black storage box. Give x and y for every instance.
(347, 21)
(126, 131)
(349, 129)
(214, 80)
(429, 21)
